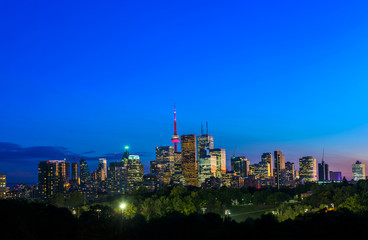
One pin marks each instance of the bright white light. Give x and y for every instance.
(122, 206)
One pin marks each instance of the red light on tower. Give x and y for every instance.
(175, 138)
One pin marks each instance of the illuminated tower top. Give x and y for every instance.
(175, 138)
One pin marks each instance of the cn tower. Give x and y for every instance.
(175, 138)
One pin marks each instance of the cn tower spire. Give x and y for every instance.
(175, 139)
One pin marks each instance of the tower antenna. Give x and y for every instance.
(207, 127)
(175, 138)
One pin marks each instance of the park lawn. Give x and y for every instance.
(242, 212)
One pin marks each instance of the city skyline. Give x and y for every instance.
(86, 80)
(95, 160)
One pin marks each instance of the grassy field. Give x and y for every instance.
(241, 213)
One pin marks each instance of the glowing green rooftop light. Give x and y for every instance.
(126, 147)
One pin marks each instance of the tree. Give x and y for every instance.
(58, 200)
(76, 199)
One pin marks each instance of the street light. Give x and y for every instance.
(98, 213)
(122, 206)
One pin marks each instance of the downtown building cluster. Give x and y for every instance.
(198, 164)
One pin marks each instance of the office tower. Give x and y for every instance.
(279, 166)
(323, 172)
(75, 181)
(204, 143)
(51, 178)
(85, 176)
(135, 172)
(154, 169)
(75, 175)
(267, 157)
(2, 186)
(261, 170)
(98, 177)
(308, 169)
(151, 182)
(189, 159)
(175, 138)
(207, 167)
(358, 171)
(240, 165)
(335, 176)
(177, 178)
(67, 171)
(220, 154)
(165, 164)
(102, 164)
(117, 174)
(290, 172)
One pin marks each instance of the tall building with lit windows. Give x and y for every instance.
(117, 177)
(323, 172)
(220, 154)
(51, 178)
(165, 164)
(135, 172)
(177, 178)
(240, 166)
(358, 171)
(102, 166)
(279, 158)
(85, 175)
(204, 143)
(267, 157)
(189, 159)
(262, 169)
(207, 167)
(75, 181)
(2, 186)
(308, 169)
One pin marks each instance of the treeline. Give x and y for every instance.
(31, 220)
(190, 200)
(340, 197)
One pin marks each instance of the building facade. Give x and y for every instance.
(323, 172)
(189, 159)
(279, 158)
(2, 186)
(308, 169)
(240, 165)
(358, 171)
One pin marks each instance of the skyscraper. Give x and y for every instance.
(135, 172)
(2, 186)
(308, 169)
(323, 172)
(117, 176)
(75, 181)
(220, 154)
(175, 138)
(51, 178)
(279, 166)
(85, 176)
(262, 169)
(240, 165)
(189, 159)
(207, 167)
(204, 143)
(102, 164)
(165, 163)
(358, 171)
(177, 178)
(267, 157)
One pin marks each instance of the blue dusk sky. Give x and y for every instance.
(86, 78)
